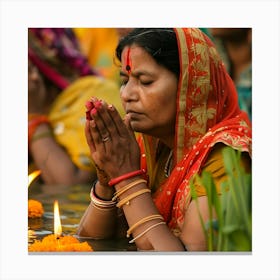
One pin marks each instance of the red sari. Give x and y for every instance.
(207, 113)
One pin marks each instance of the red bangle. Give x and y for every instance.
(33, 123)
(115, 181)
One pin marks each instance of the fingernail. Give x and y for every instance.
(89, 105)
(93, 111)
(111, 107)
(98, 104)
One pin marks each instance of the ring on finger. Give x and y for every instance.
(105, 139)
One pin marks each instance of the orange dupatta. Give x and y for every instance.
(207, 113)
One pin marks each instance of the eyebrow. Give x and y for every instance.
(136, 74)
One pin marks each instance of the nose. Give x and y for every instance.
(129, 92)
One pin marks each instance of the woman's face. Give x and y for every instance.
(148, 94)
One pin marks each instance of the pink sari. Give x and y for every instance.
(207, 113)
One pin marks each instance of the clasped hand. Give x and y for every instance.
(111, 140)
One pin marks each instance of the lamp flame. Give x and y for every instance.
(32, 176)
(57, 223)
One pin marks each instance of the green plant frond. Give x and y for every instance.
(192, 187)
(241, 189)
(230, 228)
(214, 199)
(194, 197)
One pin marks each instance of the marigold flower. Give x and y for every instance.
(66, 243)
(35, 209)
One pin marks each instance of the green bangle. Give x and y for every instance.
(42, 135)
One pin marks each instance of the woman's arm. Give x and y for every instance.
(99, 222)
(192, 234)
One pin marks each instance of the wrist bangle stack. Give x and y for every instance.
(129, 175)
(99, 203)
(127, 187)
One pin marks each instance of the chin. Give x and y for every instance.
(137, 127)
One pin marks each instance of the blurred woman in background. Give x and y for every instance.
(60, 80)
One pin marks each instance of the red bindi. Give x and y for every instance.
(128, 61)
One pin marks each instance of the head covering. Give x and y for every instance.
(55, 52)
(207, 113)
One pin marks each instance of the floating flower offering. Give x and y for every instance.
(52, 243)
(35, 209)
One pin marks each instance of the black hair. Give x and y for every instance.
(160, 43)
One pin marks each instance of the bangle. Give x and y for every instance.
(99, 202)
(127, 187)
(115, 181)
(101, 208)
(129, 197)
(142, 221)
(33, 122)
(145, 231)
(42, 135)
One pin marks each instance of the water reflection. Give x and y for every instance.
(73, 200)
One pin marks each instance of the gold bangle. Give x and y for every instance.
(129, 197)
(99, 202)
(101, 208)
(44, 134)
(142, 221)
(145, 231)
(127, 187)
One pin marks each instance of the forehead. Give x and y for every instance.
(135, 52)
(136, 55)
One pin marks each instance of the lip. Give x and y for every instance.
(133, 115)
(133, 112)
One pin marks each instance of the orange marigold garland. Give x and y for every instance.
(66, 243)
(35, 209)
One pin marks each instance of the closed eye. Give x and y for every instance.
(146, 83)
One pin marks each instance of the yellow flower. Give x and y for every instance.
(35, 209)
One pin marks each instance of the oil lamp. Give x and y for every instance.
(58, 242)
